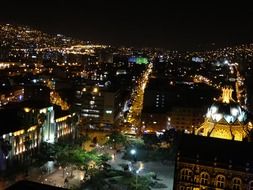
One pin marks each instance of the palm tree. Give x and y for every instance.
(41, 118)
(27, 154)
(27, 144)
(5, 147)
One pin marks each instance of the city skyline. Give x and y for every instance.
(87, 101)
(176, 26)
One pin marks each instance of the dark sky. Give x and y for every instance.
(156, 23)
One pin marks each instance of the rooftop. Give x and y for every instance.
(198, 149)
(29, 185)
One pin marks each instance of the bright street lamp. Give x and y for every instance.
(133, 151)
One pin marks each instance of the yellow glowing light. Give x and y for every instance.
(84, 90)
(62, 118)
(95, 90)
(17, 133)
(27, 110)
(226, 95)
(32, 128)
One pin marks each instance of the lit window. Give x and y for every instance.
(237, 184)
(204, 178)
(108, 111)
(185, 175)
(251, 185)
(220, 181)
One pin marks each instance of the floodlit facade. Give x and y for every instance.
(226, 119)
(28, 127)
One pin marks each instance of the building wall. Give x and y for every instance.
(64, 127)
(196, 176)
(157, 100)
(28, 139)
(186, 118)
(98, 107)
(154, 122)
(112, 106)
(21, 141)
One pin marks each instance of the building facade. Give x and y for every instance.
(27, 126)
(98, 106)
(199, 176)
(226, 119)
(186, 118)
(211, 163)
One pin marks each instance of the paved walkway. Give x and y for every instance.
(57, 178)
(164, 172)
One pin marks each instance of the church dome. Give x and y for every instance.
(228, 112)
(225, 119)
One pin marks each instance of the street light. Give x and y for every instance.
(133, 152)
(136, 176)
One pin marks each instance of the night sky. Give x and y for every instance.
(157, 23)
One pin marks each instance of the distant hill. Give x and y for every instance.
(25, 37)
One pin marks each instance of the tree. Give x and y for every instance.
(75, 122)
(75, 156)
(81, 139)
(169, 135)
(41, 118)
(62, 154)
(5, 146)
(47, 152)
(150, 139)
(116, 138)
(27, 143)
(139, 183)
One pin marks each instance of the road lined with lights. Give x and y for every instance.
(134, 115)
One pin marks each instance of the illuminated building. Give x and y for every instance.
(212, 163)
(138, 60)
(98, 105)
(226, 119)
(65, 124)
(28, 124)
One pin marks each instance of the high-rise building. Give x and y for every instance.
(100, 105)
